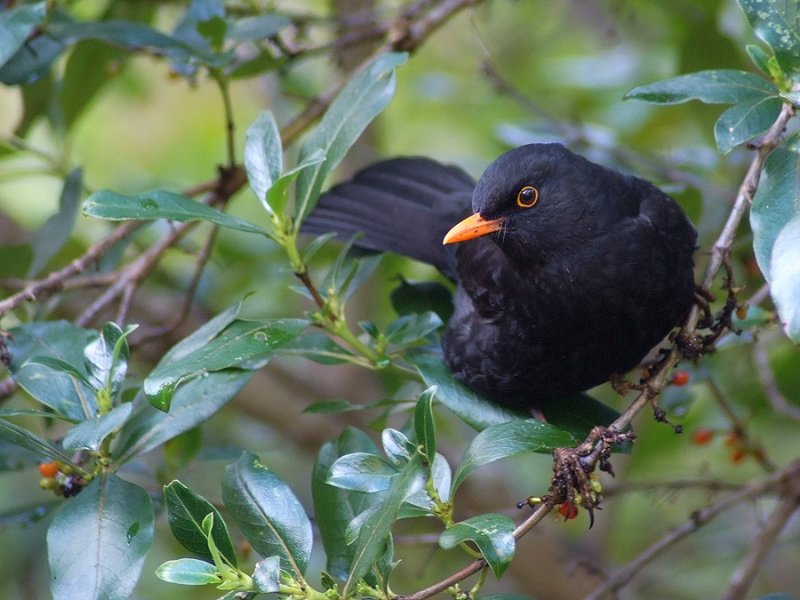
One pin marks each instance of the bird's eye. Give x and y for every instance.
(527, 196)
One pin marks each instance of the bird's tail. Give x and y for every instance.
(402, 205)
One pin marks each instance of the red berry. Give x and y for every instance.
(701, 437)
(568, 510)
(48, 469)
(680, 378)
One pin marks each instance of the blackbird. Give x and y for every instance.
(567, 272)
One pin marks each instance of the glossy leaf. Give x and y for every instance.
(202, 335)
(185, 513)
(774, 203)
(21, 437)
(268, 513)
(193, 403)
(374, 531)
(16, 25)
(420, 504)
(509, 439)
(723, 86)
(411, 328)
(66, 395)
(424, 425)
(493, 534)
(760, 57)
(278, 194)
(397, 446)
(240, 343)
(161, 204)
(578, 414)
(188, 571)
(106, 358)
(334, 507)
(263, 156)
(412, 297)
(469, 406)
(97, 542)
(360, 101)
(57, 229)
(745, 121)
(257, 28)
(777, 23)
(267, 575)
(361, 472)
(785, 277)
(89, 435)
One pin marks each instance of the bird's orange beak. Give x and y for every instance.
(472, 227)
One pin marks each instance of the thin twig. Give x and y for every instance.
(135, 272)
(742, 579)
(54, 282)
(621, 577)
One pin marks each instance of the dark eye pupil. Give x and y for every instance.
(527, 194)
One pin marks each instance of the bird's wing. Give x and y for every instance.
(402, 205)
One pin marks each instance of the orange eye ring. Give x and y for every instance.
(527, 196)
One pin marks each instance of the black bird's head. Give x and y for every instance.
(542, 198)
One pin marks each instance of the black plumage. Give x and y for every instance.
(567, 272)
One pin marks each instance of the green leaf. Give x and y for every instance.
(420, 504)
(97, 542)
(268, 513)
(335, 508)
(361, 472)
(278, 194)
(375, 529)
(760, 58)
(91, 433)
(263, 156)
(509, 439)
(106, 358)
(360, 101)
(85, 74)
(257, 28)
(161, 204)
(21, 437)
(412, 328)
(492, 533)
(240, 343)
(185, 513)
(397, 446)
(188, 571)
(578, 414)
(424, 425)
(57, 229)
(777, 23)
(774, 204)
(412, 297)
(202, 335)
(785, 277)
(267, 575)
(469, 406)
(723, 86)
(744, 121)
(15, 27)
(193, 403)
(67, 395)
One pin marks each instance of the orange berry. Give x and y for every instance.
(48, 469)
(741, 311)
(701, 437)
(568, 510)
(680, 378)
(738, 455)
